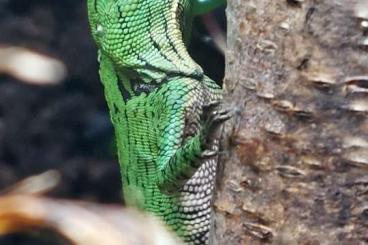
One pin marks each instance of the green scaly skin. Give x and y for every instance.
(164, 109)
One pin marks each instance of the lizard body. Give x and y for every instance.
(165, 111)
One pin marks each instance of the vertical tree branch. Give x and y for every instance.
(296, 164)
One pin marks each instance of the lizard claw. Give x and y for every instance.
(209, 108)
(216, 118)
(211, 105)
(221, 116)
(208, 153)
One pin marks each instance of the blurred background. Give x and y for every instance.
(52, 110)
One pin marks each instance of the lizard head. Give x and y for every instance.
(112, 25)
(144, 37)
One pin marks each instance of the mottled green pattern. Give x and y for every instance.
(162, 107)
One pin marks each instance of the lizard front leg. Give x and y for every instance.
(179, 158)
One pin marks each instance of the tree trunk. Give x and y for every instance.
(295, 169)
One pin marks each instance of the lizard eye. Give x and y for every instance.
(100, 30)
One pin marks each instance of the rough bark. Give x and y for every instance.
(295, 169)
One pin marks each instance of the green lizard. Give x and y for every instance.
(166, 112)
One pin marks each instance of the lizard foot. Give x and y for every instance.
(213, 116)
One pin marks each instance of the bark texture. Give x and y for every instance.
(295, 169)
